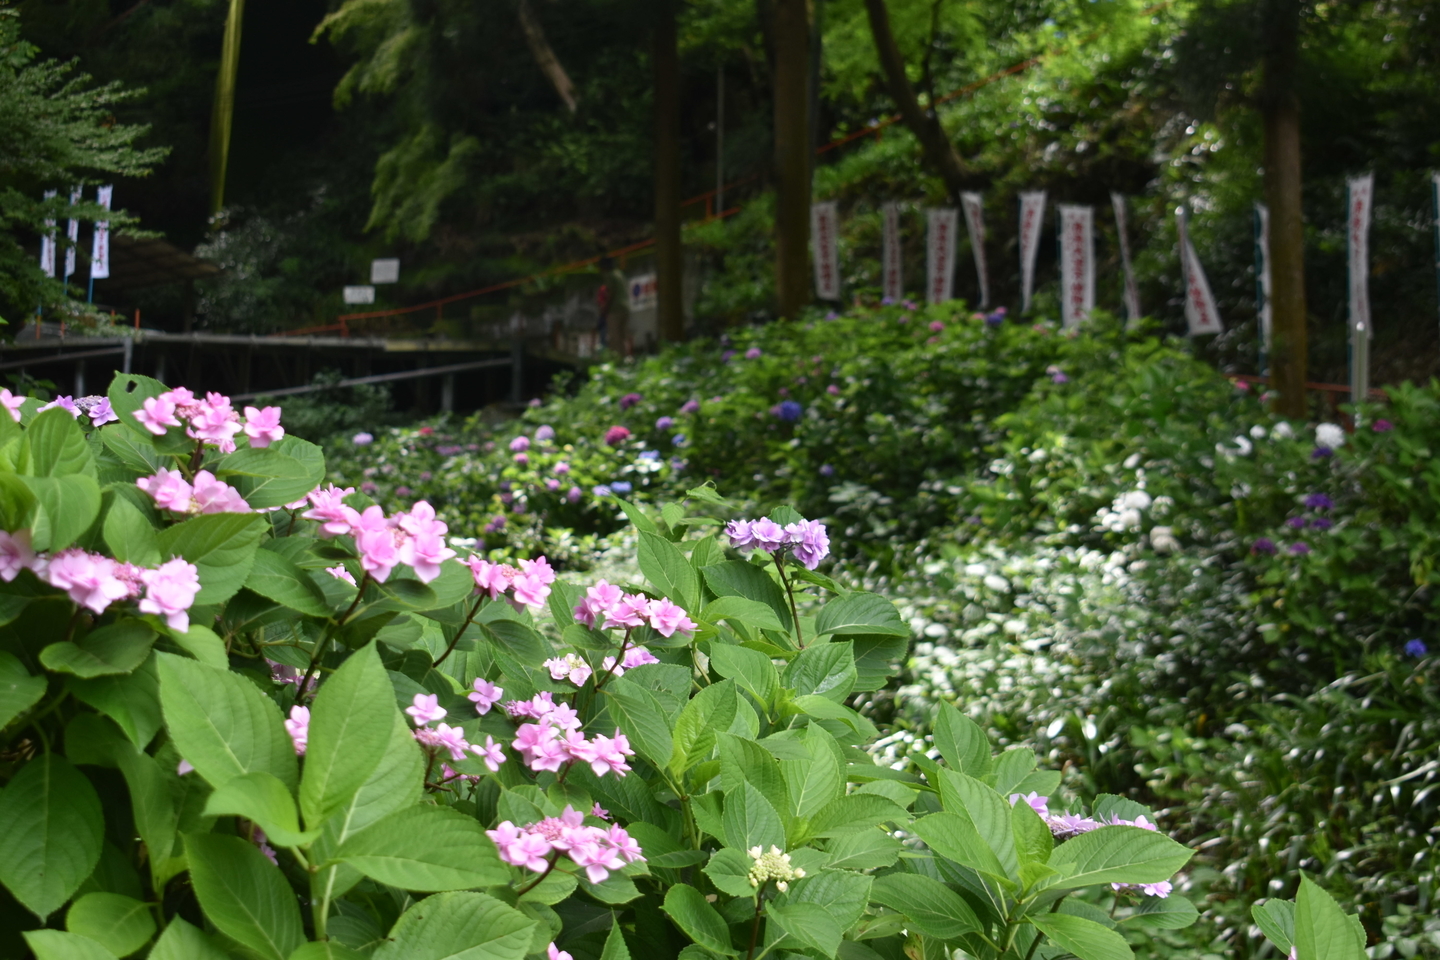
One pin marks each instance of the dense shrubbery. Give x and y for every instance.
(1104, 548)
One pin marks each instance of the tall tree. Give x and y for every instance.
(1280, 113)
(222, 116)
(669, 254)
(935, 144)
(794, 151)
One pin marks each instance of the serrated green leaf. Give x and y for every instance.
(18, 690)
(277, 578)
(932, 908)
(736, 578)
(698, 919)
(455, 854)
(860, 613)
(1166, 913)
(1276, 919)
(221, 545)
(1323, 931)
(667, 568)
(752, 821)
(120, 924)
(51, 831)
(1118, 855)
(54, 446)
(693, 738)
(961, 742)
(639, 714)
(181, 941)
(59, 945)
(458, 926)
(130, 535)
(809, 923)
(261, 798)
(114, 649)
(350, 726)
(1086, 939)
(65, 507)
(244, 895)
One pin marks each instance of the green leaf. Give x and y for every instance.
(955, 837)
(115, 649)
(54, 446)
(751, 821)
(221, 545)
(350, 726)
(265, 477)
(1086, 939)
(121, 924)
(132, 701)
(637, 517)
(861, 613)
(1012, 767)
(326, 950)
(736, 578)
(749, 612)
(1118, 855)
(65, 507)
(640, 715)
(181, 941)
(1172, 913)
(863, 850)
(817, 780)
(51, 832)
(857, 811)
(128, 393)
(666, 567)
(693, 914)
(961, 742)
(132, 448)
(615, 948)
(932, 908)
(259, 797)
(749, 668)
(743, 760)
(244, 894)
(458, 926)
(729, 871)
(17, 504)
(988, 811)
(455, 854)
(130, 535)
(152, 800)
(1276, 919)
(1033, 840)
(809, 923)
(710, 710)
(204, 645)
(277, 578)
(1322, 930)
(823, 669)
(222, 723)
(18, 690)
(307, 454)
(58, 945)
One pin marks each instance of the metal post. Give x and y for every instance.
(129, 355)
(447, 393)
(80, 378)
(160, 368)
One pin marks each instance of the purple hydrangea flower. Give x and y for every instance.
(1322, 523)
(768, 535)
(1416, 647)
(690, 406)
(1297, 523)
(788, 410)
(545, 433)
(678, 439)
(753, 353)
(616, 436)
(629, 400)
(1319, 501)
(574, 494)
(621, 486)
(725, 357)
(1263, 545)
(1320, 453)
(1300, 549)
(826, 470)
(1382, 426)
(808, 542)
(664, 423)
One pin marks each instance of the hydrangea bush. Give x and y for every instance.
(250, 714)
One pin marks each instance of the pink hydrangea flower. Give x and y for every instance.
(596, 605)
(15, 554)
(215, 421)
(632, 611)
(753, 353)
(667, 618)
(64, 403)
(298, 726)
(169, 490)
(262, 426)
(809, 542)
(448, 737)
(1036, 802)
(90, 579)
(170, 591)
(634, 657)
(340, 573)
(553, 952)
(616, 435)
(425, 708)
(520, 848)
(328, 507)
(605, 754)
(12, 403)
(562, 468)
(102, 413)
(569, 667)
(375, 539)
(216, 496)
(600, 812)
(520, 444)
(485, 695)
(492, 753)
(157, 413)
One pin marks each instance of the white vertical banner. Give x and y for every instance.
(72, 231)
(1360, 194)
(1200, 311)
(1132, 288)
(47, 242)
(1077, 264)
(825, 236)
(975, 226)
(1262, 281)
(100, 247)
(940, 254)
(892, 286)
(1032, 220)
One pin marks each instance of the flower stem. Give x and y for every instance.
(324, 643)
(755, 926)
(790, 592)
(554, 858)
(451, 649)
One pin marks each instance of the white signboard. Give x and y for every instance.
(643, 295)
(47, 243)
(359, 294)
(940, 254)
(892, 287)
(1077, 264)
(72, 231)
(1262, 269)
(1032, 218)
(100, 247)
(824, 233)
(1200, 310)
(1132, 289)
(385, 271)
(1360, 194)
(975, 225)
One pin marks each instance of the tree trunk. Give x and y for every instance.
(544, 54)
(1280, 111)
(793, 152)
(223, 112)
(669, 255)
(939, 153)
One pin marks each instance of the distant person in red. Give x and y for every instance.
(613, 301)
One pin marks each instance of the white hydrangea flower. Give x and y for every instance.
(1330, 435)
(1283, 431)
(773, 864)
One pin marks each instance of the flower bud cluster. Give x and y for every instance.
(605, 606)
(806, 539)
(598, 850)
(95, 581)
(772, 864)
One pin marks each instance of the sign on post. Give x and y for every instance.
(892, 287)
(940, 254)
(385, 271)
(360, 294)
(1032, 218)
(1077, 264)
(643, 292)
(824, 231)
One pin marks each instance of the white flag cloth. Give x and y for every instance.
(940, 254)
(1200, 310)
(1132, 288)
(1032, 220)
(72, 231)
(892, 285)
(1077, 264)
(975, 226)
(100, 248)
(1360, 196)
(824, 232)
(1262, 277)
(47, 242)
